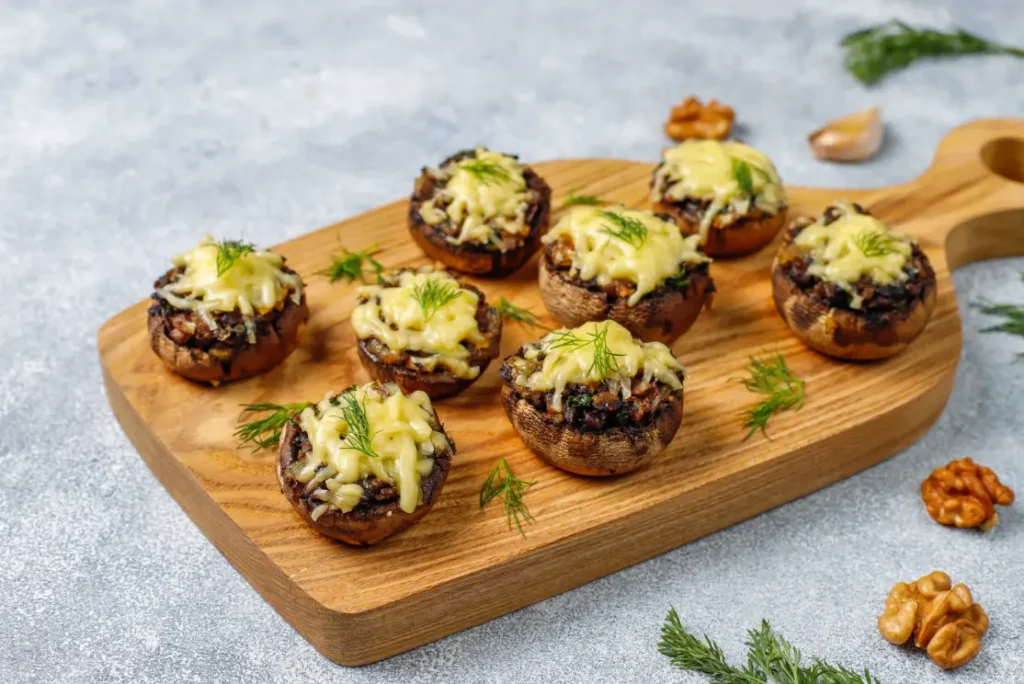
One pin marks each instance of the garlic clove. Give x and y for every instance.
(851, 138)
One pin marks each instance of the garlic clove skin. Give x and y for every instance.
(851, 138)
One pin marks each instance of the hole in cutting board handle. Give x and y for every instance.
(1005, 157)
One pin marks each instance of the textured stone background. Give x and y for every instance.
(127, 132)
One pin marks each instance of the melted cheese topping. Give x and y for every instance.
(599, 255)
(484, 195)
(574, 357)
(397, 317)
(704, 169)
(401, 437)
(854, 246)
(254, 284)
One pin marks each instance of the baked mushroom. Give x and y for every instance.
(851, 287)
(726, 192)
(632, 267)
(424, 329)
(480, 212)
(365, 463)
(226, 311)
(594, 400)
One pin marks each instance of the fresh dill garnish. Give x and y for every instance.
(501, 483)
(264, 433)
(348, 265)
(434, 294)
(741, 172)
(605, 360)
(1013, 319)
(229, 252)
(509, 311)
(873, 52)
(574, 200)
(770, 658)
(627, 229)
(485, 171)
(781, 388)
(358, 437)
(874, 244)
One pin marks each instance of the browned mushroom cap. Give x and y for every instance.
(660, 316)
(473, 258)
(234, 363)
(744, 236)
(367, 523)
(438, 383)
(611, 452)
(847, 334)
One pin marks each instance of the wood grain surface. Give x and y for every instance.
(460, 566)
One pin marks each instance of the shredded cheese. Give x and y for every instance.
(403, 443)
(484, 195)
(854, 246)
(585, 361)
(599, 255)
(254, 284)
(704, 170)
(395, 316)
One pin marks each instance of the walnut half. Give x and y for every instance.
(694, 119)
(943, 619)
(963, 493)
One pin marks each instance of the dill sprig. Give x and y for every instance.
(873, 52)
(229, 252)
(485, 171)
(630, 230)
(501, 483)
(781, 389)
(1013, 319)
(264, 433)
(605, 360)
(509, 311)
(348, 265)
(874, 244)
(574, 200)
(358, 437)
(741, 172)
(434, 294)
(770, 658)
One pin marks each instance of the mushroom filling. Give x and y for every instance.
(623, 253)
(426, 321)
(595, 377)
(717, 183)
(367, 447)
(847, 259)
(479, 198)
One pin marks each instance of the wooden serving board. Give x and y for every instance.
(460, 566)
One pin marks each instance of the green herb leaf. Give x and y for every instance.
(741, 172)
(679, 281)
(770, 658)
(627, 229)
(781, 388)
(1013, 319)
(228, 254)
(874, 244)
(264, 433)
(574, 200)
(347, 265)
(503, 484)
(605, 360)
(486, 171)
(434, 294)
(509, 311)
(873, 52)
(358, 437)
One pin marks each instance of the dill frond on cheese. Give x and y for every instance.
(434, 294)
(229, 252)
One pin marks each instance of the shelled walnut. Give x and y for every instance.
(943, 619)
(694, 119)
(963, 493)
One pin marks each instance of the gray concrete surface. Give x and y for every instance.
(127, 130)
